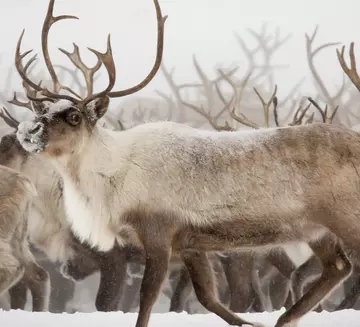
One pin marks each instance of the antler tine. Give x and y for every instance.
(238, 90)
(207, 114)
(28, 89)
(8, 118)
(214, 81)
(19, 103)
(159, 53)
(352, 71)
(87, 71)
(211, 120)
(19, 66)
(266, 105)
(275, 112)
(40, 99)
(333, 114)
(108, 60)
(121, 125)
(27, 82)
(298, 120)
(289, 96)
(310, 54)
(323, 113)
(315, 104)
(50, 19)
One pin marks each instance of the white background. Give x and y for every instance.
(202, 27)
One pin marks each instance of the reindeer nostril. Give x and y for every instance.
(36, 129)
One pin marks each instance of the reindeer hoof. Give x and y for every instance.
(286, 324)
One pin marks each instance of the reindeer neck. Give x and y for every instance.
(103, 153)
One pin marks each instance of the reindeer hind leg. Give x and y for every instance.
(11, 271)
(202, 276)
(37, 280)
(352, 296)
(18, 295)
(182, 291)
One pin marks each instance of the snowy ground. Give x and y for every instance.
(348, 318)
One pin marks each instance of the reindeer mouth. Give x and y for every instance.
(32, 136)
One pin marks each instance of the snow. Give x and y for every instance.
(348, 318)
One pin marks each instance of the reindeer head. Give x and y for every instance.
(63, 128)
(63, 123)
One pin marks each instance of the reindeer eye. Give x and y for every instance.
(74, 118)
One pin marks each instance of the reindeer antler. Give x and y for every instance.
(266, 105)
(324, 113)
(28, 81)
(352, 71)
(19, 103)
(298, 120)
(311, 53)
(104, 58)
(50, 19)
(8, 118)
(238, 90)
(267, 44)
(87, 71)
(159, 52)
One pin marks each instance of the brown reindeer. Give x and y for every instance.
(49, 231)
(81, 261)
(313, 266)
(17, 264)
(244, 284)
(14, 155)
(173, 190)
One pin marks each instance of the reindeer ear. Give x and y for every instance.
(97, 108)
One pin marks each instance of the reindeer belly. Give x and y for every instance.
(231, 235)
(89, 219)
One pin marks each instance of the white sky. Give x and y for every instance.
(203, 27)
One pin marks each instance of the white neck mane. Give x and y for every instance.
(87, 176)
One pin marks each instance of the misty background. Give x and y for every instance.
(208, 29)
(216, 32)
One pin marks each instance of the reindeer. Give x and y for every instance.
(17, 263)
(313, 265)
(244, 285)
(79, 260)
(48, 229)
(171, 189)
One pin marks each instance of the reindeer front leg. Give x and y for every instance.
(336, 267)
(156, 268)
(112, 280)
